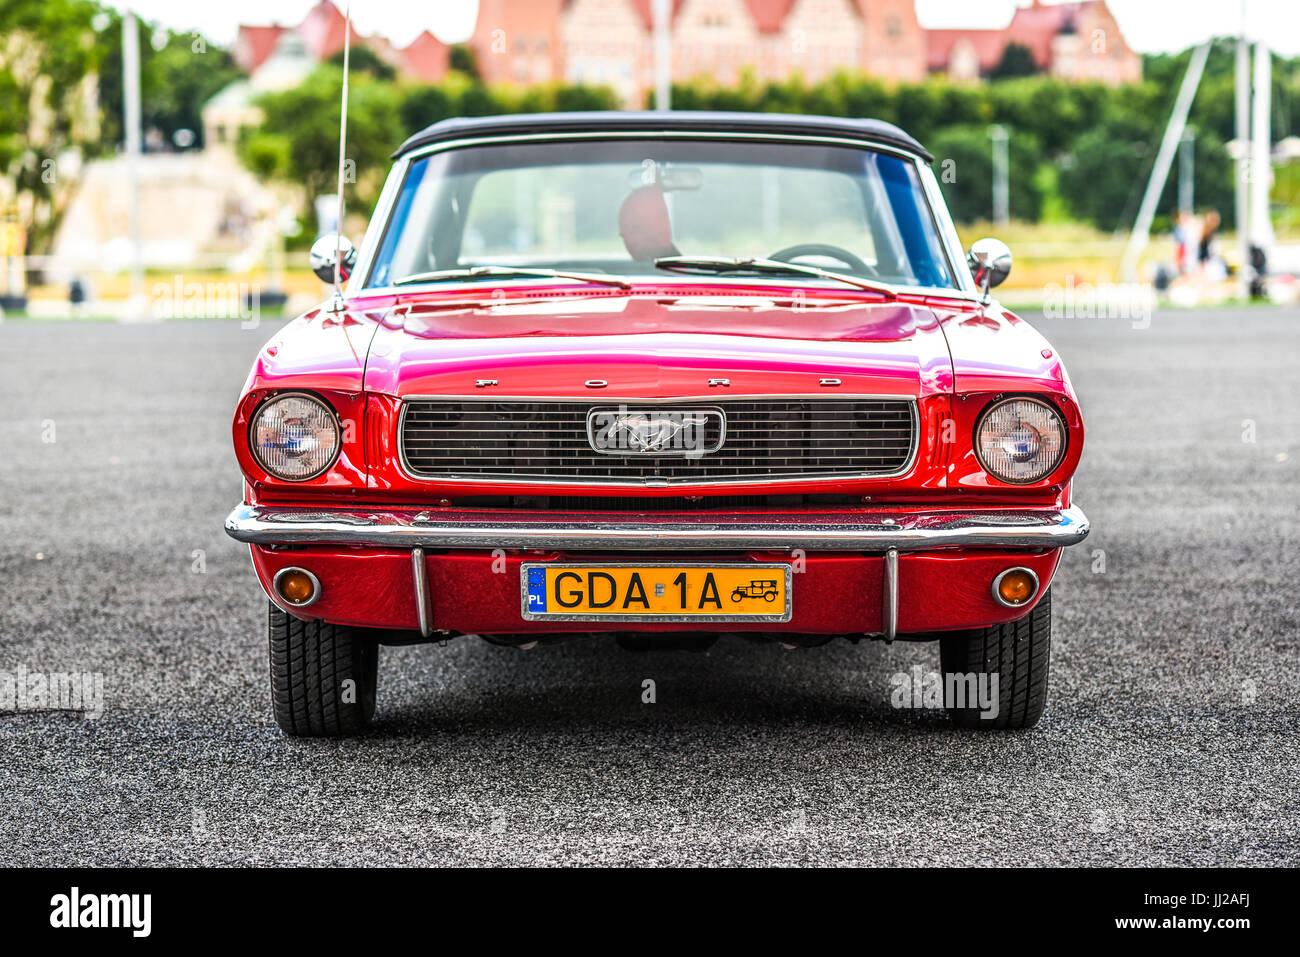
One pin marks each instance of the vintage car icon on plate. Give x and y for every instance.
(765, 590)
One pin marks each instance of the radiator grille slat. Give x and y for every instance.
(766, 439)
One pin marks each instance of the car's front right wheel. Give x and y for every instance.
(1018, 653)
(323, 676)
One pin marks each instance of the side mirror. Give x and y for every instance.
(990, 263)
(323, 251)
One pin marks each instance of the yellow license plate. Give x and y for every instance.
(655, 592)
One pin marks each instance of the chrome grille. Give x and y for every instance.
(766, 440)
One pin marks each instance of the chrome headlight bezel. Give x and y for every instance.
(1062, 439)
(332, 420)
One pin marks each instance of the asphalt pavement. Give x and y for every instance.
(1172, 734)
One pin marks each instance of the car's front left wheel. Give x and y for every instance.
(323, 676)
(1018, 653)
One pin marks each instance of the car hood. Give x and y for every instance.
(659, 346)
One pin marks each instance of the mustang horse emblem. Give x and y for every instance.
(652, 433)
(648, 433)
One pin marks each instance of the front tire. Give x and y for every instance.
(323, 676)
(1018, 653)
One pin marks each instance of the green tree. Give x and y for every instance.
(919, 107)
(1016, 60)
(865, 96)
(362, 59)
(298, 139)
(573, 98)
(421, 105)
(1103, 178)
(182, 77)
(179, 73)
(1213, 108)
(1053, 111)
(306, 121)
(462, 58)
(1109, 167)
(48, 50)
(478, 100)
(267, 154)
(963, 163)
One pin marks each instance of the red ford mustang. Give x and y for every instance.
(658, 377)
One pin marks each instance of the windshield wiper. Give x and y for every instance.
(720, 264)
(479, 272)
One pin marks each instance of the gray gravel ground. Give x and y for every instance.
(1171, 736)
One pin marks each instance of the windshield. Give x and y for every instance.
(615, 206)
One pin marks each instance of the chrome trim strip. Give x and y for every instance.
(889, 600)
(420, 573)
(947, 231)
(578, 481)
(681, 279)
(633, 619)
(375, 228)
(872, 531)
(862, 143)
(315, 595)
(1003, 574)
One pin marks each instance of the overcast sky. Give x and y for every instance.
(1150, 26)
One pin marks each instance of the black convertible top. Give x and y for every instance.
(516, 124)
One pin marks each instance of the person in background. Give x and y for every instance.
(1185, 228)
(1207, 255)
(77, 295)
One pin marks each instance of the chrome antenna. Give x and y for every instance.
(336, 304)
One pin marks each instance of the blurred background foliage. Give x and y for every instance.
(1078, 152)
(299, 139)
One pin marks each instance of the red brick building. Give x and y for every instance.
(320, 36)
(1074, 41)
(611, 42)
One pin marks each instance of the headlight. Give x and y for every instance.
(295, 437)
(1020, 440)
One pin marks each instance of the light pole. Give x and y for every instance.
(1001, 186)
(1242, 164)
(1261, 172)
(131, 103)
(662, 13)
(1187, 171)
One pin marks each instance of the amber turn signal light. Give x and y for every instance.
(297, 586)
(1015, 587)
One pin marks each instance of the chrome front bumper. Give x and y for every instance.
(439, 528)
